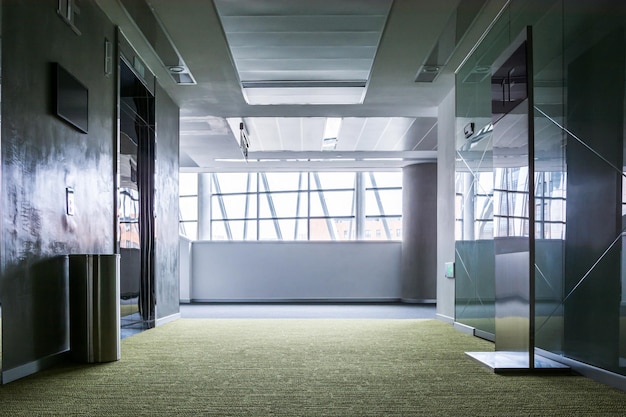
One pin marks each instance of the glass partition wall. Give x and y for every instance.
(576, 199)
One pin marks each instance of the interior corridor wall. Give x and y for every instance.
(578, 182)
(166, 257)
(41, 157)
(445, 205)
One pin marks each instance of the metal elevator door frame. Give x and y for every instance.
(138, 109)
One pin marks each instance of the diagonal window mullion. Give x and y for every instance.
(270, 203)
(220, 202)
(379, 202)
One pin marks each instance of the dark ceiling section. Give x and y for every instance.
(141, 13)
(455, 30)
(290, 68)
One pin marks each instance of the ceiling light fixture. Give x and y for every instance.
(303, 92)
(329, 144)
(244, 141)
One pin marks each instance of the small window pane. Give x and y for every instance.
(332, 180)
(284, 181)
(235, 205)
(290, 229)
(484, 207)
(390, 200)
(189, 208)
(218, 230)
(332, 203)
(189, 230)
(242, 229)
(375, 229)
(484, 230)
(234, 182)
(484, 182)
(319, 229)
(383, 179)
(345, 229)
(187, 183)
(268, 230)
(285, 204)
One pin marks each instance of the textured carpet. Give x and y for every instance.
(302, 367)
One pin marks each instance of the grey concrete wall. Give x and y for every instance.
(283, 271)
(419, 229)
(41, 156)
(445, 205)
(166, 259)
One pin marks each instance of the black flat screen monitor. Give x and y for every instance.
(72, 99)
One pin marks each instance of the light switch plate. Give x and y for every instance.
(69, 201)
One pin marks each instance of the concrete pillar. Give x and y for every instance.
(419, 230)
(204, 206)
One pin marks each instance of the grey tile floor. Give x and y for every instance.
(293, 311)
(306, 310)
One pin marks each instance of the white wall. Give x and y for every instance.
(295, 271)
(446, 152)
(185, 269)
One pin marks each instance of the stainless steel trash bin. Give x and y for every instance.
(95, 307)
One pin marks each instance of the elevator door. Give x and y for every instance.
(136, 201)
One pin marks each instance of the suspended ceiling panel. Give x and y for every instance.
(333, 41)
(307, 134)
(295, 52)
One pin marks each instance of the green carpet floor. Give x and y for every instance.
(302, 367)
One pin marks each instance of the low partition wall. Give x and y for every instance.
(185, 269)
(294, 271)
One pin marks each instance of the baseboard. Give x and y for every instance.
(444, 318)
(294, 300)
(12, 374)
(418, 300)
(185, 300)
(464, 328)
(485, 335)
(597, 374)
(167, 319)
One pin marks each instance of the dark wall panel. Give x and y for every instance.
(41, 156)
(166, 206)
(596, 116)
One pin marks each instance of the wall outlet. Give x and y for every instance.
(449, 270)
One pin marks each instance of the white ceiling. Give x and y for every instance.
(329, 51)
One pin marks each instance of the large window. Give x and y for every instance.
(188, 189)
(293, 206)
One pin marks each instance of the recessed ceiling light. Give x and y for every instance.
(176, 69)
(429, 68)
(381, 159)
(329, 144)
(303, 95)
(229, 160)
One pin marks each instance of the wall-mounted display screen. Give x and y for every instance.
(71, 99)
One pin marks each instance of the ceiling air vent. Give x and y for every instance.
(149, 24)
